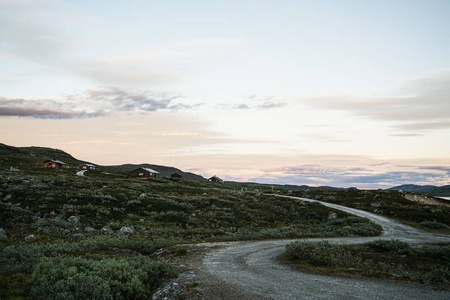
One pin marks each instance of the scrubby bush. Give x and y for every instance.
(433, 224)
(24, 258)
(323, 254)
(79, 278)
(394, 246)
(381, 258)
(13, 216)
(434, 251)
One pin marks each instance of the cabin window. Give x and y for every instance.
(140, 174)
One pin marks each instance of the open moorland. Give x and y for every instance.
(102, 235)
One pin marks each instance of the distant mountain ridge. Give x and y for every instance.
(430, 190)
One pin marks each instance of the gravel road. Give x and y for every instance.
(251, 268)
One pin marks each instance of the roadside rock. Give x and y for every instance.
(2, 234)
(31, 238)
(7, 198)
(375, 204)
(89, 229)
(126, 230)
(106, 230)
(332, 216)
(73, 219)
(77, 237)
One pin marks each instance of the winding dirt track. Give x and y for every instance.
(253, 268)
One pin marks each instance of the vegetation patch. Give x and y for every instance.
(82, 269)
(391, 259)
(391, 204)
(80, 278)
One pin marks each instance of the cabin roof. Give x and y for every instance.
(86, 164)
(148, 170)
(55, 161)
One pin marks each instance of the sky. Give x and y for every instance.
(337, 93)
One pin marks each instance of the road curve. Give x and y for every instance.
(252, 267)
(81, 173)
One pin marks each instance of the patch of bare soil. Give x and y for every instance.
(193, 281)
(425, 199)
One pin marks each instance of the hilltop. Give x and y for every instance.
(164, 171)
(429, 190)
(32, 158)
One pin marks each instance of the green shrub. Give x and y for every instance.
(79, 278)
(438, 275)
(24, 258)
(394, 246)
(435, 252)
(381, 258)
(323, 254)
(12, 216)
(433, 224)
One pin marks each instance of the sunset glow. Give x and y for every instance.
(337, 93)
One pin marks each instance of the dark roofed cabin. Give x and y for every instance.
(176, 175)
(215, 179)
(86, 166)
(51, 163)
(144, 173)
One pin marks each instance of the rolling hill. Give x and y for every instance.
(32, 158)
(164, 171)
(429, 190)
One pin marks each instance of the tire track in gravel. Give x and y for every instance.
(252, 268)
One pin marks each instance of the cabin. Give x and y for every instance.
(176, 175)
(86, 166)
(144, 173)
(215, 179)
(51, 163)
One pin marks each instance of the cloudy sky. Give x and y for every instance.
(340, 93)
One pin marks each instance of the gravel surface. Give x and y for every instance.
(249, 270)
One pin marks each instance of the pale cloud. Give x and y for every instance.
(119, 72)
(425, 108)
(92, 103)
(255, 102)
(118, 99)
(43, 109)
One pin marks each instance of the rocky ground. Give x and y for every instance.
(425, 199)
(195, 282)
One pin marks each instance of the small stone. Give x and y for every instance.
(89, 229)
(126, 230)
(73, 219)
(7, 197)
(77, 237)
(332, 216)
(106, 230)
(2, 234)
(31, 238)
(375, 204)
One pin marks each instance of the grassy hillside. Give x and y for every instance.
(30, 159)
(98, 236)
(388, 203)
